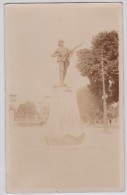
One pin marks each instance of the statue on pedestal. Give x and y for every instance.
(64, 124)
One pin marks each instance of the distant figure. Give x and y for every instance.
(63, 55)
(110, 121)
(110, 118)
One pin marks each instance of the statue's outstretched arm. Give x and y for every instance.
(55, 54)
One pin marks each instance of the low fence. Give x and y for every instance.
(27, 123)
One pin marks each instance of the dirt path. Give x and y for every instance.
(35, 167)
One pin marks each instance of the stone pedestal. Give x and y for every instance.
(64, 124)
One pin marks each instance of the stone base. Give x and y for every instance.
(65, 140)
(64, 124)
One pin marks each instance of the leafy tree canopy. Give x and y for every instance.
(104, 47)
(27, 109)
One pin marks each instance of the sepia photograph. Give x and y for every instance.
(64, 97)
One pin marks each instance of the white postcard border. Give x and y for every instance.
(2, 85)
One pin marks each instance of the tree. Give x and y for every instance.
(27, 110)
(104, 47)
(89, 105)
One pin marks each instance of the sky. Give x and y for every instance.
(32, 32)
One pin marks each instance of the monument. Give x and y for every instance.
(64, 124)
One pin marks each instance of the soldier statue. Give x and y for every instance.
(63, 55)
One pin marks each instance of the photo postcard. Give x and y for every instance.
(64, 97)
